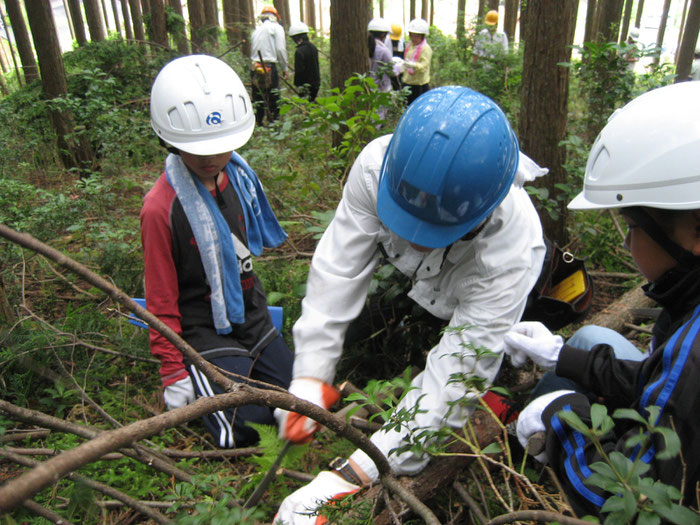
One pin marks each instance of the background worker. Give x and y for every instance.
(307, 74)
(380, 63)
(462, 228)
(490, 42)
(201, 223)
(645, 164)
(417, 57)
(268, 55)
(397, 46)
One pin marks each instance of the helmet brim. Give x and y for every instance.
(212, 146)
(413, 229)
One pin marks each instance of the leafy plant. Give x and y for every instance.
(632, 496)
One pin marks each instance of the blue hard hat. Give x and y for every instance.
(450, 162)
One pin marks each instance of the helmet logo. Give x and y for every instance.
(214, 118)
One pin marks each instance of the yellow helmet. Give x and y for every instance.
(395, 32)
(491, 18)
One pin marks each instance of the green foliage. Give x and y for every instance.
(632, 495)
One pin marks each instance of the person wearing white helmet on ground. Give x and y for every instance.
(417, 57)
(644, 163)
(201, 223)
(268, 55)
(307, 75)
(442, 200)
(379, 54)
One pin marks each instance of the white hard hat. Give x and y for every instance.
(379, 24)
(418, 25)
(648, 154)
(199, 105)
(298, 28)
(634, 33)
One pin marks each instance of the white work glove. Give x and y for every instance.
(408, 64)
(298, 507)
(533, 340)
(530, 419)
(179, 394)
(397, 65)
(301, 429)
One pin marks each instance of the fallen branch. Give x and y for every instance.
(45, 513)
(95, 485)
(544, 516)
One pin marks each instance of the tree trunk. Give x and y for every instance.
(211, 23)
(492, 4)
(53, 81)
(197, 21)
(247, 24)
(626, 17)
(381, 8)
(310, 15)
(348, 40)
(231, 15)
(461, 26)
(545, 88)
(76, 17)
(684, 13)
(128, 28)
(662, 30)
(282, 7)
(94, 20)
(105, 17)
(158, 32)
(115, 12)
(411, 9)
(690, 37)
(181, 33)
(609, 14)
(510, 19)
(481, 11)
(590, 29)
(638, 17)
(22, 40)
(137, 20)
(425, 10)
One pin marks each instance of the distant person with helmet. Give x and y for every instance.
(268, 53)
(490, 42)
(307, 74)
(695, 68)
(379, 54)
(644, 164)
(397, 46)
(201, 223)
(417, 57)
(442, 200)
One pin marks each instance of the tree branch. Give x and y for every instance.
(544, 516)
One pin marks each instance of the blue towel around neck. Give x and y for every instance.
(214, 237)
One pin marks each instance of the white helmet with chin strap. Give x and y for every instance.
(648, 154)
(419, 26)
(200, 106)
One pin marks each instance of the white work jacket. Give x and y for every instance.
(482, 283)
(269, 39)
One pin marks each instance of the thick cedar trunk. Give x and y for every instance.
(137, 20)
(590, 29)
(690, 37)
(128, 28)
(94, 20)
(159, 34)
(310, 14)
(76, 17)
(609, 15)
(197, 21)
(74, 153)
(211, 22)
(424, 10)
(411, 9)
(545, 88)
(22, 40)
(348, 40)
(510, 19)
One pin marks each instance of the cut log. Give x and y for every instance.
(617, 314)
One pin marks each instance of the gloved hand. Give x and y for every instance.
(533, 340)
(407, 64)
(530, 419)
(295, 427)
(397, 65)
(179, 394)
(296, 509)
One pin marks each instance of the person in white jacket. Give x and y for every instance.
(443, 198)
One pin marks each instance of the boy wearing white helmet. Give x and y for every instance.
(307, 74)
(201, 223)
(645, 163)
(417, 57)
